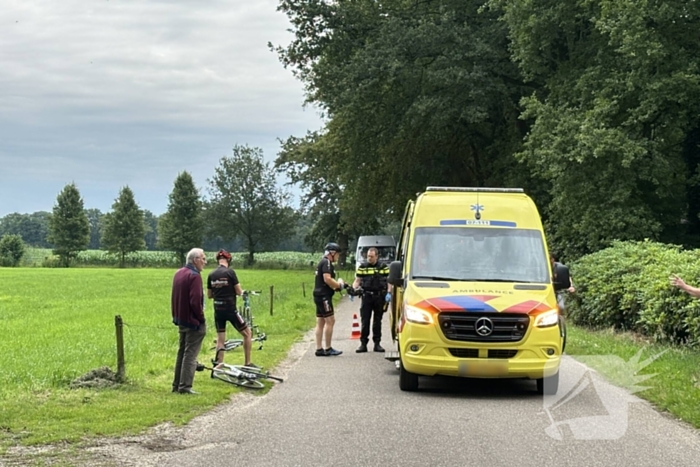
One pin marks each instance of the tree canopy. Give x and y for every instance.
(617, 100)
(416, 93)
(33, 228)
(591, 106)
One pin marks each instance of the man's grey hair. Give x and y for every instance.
(194, 253)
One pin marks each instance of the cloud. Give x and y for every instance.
(109, 93)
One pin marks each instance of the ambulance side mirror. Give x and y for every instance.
(396, 274)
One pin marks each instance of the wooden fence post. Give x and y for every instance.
(119, 326)
(303, 289)
(272, 297)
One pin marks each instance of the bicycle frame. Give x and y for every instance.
(239, 375)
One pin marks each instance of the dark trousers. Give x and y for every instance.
(186, 363)
(372, 304)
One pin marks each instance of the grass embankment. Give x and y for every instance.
(675, 386)
(59, 324)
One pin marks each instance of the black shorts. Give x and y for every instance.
(324, 307)
(226, 312)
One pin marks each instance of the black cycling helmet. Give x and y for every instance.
(223, 254)
(332, 246)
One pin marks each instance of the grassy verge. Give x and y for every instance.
(675, 386)
(59, 325)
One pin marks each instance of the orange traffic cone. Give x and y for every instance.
(355, 327)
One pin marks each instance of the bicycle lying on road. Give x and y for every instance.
(240, 375)
(258, 336)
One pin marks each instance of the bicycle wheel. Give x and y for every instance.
(230, 378)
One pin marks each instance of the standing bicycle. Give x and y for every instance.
(258, 336)
(223, 287)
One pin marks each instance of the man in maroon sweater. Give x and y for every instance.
(187, 305)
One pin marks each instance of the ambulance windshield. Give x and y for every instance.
(479, 254)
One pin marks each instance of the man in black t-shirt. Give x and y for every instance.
(223, 287)
(325, 286)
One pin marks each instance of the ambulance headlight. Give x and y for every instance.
(418, 315)
(547, 319)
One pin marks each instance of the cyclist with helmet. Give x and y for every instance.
(325, 286)
(223, 287)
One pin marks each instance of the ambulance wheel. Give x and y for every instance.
(548, 386)
(407, 381)
(562, 328)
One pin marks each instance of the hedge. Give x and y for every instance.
(627, 287)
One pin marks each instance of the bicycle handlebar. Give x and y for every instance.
(252, 292)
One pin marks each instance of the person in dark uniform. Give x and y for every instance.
(325, 286)
(223, 287)
(371, 276)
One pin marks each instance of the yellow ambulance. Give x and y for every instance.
(473, 294)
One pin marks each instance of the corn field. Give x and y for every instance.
(42, 257)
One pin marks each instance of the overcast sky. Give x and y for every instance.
(107, 93)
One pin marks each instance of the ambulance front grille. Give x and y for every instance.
(504, 327)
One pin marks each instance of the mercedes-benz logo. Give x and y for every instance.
(483, 327)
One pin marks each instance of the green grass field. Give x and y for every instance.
(59, 325)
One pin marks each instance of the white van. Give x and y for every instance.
(385, 245)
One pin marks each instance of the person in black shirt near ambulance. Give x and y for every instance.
(325, 287)
(223, 287)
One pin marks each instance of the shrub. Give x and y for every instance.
(627, 287)
(12, 249)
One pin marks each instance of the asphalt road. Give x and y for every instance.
(349, 411)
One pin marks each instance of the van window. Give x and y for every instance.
(479, 254)
(386, 253)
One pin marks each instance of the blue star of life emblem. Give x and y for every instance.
(477, 207)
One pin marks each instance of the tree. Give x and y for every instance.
(296, 241)
(614, 121)
(12, 249)
(33, 228)
(69, 230)
(312, 162)
(181, 227)
(124, 228)
(417, 94)
(95, 217)
(151, 237)
(245, 202)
